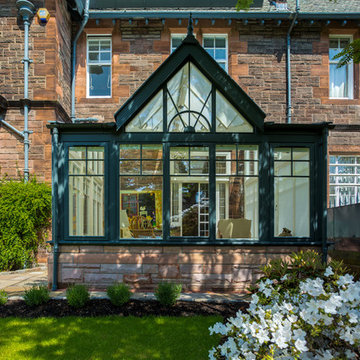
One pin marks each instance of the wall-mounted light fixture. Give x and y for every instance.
(43, 16)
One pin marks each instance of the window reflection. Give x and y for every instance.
(141, 193)
(292, 191)
(189, 169)
(237, 191)
(86, 191)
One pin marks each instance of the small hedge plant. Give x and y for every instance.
(168, 293)
(25, 213)
(77, 296)
(3, 297)
(287, 275)
(119, 294)
(37, 295)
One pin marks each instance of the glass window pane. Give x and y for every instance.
(128, 151)
(220, 54)
(77, 167)
(333, 44)
(150, 118)
(93, 45)
(100, 80)
(248, 152)
(130, 167)
(301, 169)
(346, 170)
(344, 43)
(220, 42)
(141, 207)
(86, 206)
(292, 206)
(95, 152)
(77, 152)
(208, 42)
(105, 56)
(282, 168)
(95, 167)
(225, 167)
(346, 160)
(301, 154)
(338, 81)
(179, 167)
(150, 167)
(199, 167)
(248, 168)
(282, 154)
(226, 152)
(192, 203)
(228, 119)
(199, 153)
(179, 153)
(152, 152)
(237, 210)
(105, 45)
(93, 56)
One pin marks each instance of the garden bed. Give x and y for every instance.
(103, 307)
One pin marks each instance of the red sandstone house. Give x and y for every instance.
(214, 149)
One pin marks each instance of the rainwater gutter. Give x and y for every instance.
(73, 71)
(26, 10)
(215, 14)
(288, 65)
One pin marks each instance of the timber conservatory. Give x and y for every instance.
(188, 167)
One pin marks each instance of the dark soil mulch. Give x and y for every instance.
(60, 308)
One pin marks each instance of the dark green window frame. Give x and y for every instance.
(265, 145)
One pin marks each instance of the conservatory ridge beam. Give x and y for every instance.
(205, 14)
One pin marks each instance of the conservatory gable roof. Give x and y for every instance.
(191, 50)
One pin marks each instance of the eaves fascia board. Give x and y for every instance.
(204, 14)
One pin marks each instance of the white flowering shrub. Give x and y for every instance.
(317, 319)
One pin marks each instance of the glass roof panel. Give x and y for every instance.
(189, 100)
(150, 118)
(228, 119)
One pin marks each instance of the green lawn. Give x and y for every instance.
(112, 337)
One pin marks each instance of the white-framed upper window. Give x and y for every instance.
(176, 40)
(341, 79)
(217, 46)
(344, 180)
(98, 66)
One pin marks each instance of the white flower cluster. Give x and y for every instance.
(321, 321)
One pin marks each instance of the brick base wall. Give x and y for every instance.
(197, 268)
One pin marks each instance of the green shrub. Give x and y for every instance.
(37, 295)
(119, 294)
(167, 293)
(302, 265)
(77, 295)
(25, 212)
(3, 297)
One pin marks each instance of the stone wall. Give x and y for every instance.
(257, 62)
(197, 268)
(49, 85)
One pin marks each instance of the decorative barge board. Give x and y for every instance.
(188, 185)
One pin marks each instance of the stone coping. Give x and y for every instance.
(197, 297)
(23, 271)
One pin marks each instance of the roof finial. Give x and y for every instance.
(190, 26)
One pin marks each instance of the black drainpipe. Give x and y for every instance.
(288, 65)
(55, 183)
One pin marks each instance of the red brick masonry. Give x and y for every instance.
(197, 268)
